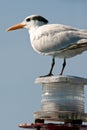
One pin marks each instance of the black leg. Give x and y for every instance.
(64, 64)
(52, 65)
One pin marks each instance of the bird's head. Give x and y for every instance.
(29, 22)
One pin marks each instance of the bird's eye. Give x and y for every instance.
(28, 19)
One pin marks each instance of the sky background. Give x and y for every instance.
(20, 65)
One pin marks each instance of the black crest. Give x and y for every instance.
(37, 17)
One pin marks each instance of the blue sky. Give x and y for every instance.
(20, 65)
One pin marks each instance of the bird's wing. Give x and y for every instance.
(56, 37)
(50, 28)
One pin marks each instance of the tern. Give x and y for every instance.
(56, 40)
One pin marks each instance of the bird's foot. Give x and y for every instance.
(50, 74)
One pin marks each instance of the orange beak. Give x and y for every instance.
(17, 26)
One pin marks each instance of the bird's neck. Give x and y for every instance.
(32, 32)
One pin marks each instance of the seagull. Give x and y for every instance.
(56, 40)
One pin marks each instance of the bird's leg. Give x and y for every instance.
(52, 65)
(64, 64)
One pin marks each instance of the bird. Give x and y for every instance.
(55, 40)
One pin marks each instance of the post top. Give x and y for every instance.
(62, 79)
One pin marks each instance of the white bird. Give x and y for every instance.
(56, 40)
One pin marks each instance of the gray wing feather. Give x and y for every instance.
(56, 37)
